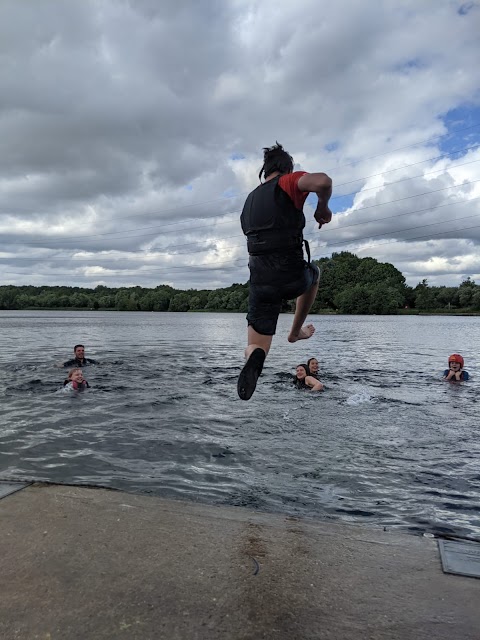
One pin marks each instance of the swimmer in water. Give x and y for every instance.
(79, 360)
(455, 372)
(76, 380)
(303, 380)
(312, 365)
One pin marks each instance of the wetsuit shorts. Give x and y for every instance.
(271, 282)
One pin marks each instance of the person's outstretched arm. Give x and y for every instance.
(321, 184)
(315, 385)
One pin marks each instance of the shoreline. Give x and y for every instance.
(401, 312)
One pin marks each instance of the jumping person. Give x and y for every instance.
(273, 221)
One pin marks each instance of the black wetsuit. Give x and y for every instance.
(75, 362)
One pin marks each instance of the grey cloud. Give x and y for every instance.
(116, 115)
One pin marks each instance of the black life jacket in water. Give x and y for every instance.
(271, 221)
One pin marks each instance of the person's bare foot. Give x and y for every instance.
(305, 332)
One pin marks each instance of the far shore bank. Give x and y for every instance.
(320, 312)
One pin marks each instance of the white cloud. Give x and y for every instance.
(120, 122)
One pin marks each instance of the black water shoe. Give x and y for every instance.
(247, 380)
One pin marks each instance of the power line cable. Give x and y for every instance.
(129, 236)
(429, 235)
(380, 204)
(166, 252)
(224, 198)
(387, 184)
(431, 224)
(350, 241)
(408, 146)
(143, 275)
(187, 268)
(413, 164)
(398, 215)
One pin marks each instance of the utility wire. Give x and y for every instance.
(330, 244)
(408, 146)
(143, 275)
(380, 204)
(429, 235)
(421, 226)
(325, 229)
(224, 198)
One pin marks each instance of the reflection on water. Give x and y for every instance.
(387, 443)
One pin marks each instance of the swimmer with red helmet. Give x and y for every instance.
(455, 372)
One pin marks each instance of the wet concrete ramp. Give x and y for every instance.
(92, 564)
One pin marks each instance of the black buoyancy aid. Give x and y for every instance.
(271, 221)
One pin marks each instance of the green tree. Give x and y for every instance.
(179, 302)
(125, 301)
(466, 291)
(106, 301)
(344, 278)
(195, 303)
(385, 299)
(23, 301)
(8, 297)
(354, 299)
(446, 297)
(236, 299)
(476, 300)
(79, 300)
(424, 296)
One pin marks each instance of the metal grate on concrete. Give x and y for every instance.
(460, 558)
(6, 488)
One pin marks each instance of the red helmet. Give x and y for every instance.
(456, 357)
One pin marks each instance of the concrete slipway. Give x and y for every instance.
(82, 563)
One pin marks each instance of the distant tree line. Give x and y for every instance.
(349, 285)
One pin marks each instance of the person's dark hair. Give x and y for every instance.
(78, 345)
(300, 383)
(275, 159)
(305, 366)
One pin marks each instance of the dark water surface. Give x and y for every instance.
(388, 443)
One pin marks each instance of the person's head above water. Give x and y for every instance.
(76, 375)
(312, 364)
(79, 351)
(76, 380)
(275, 159)
(79, 360)
(301, 371)
(455, 359)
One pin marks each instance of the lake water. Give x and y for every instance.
(388, 443)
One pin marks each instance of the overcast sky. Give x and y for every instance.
(131, 132)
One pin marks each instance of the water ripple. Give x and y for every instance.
(387, 443)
